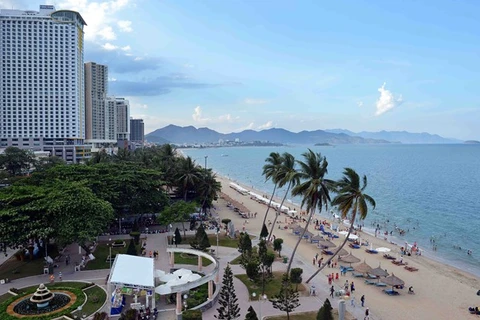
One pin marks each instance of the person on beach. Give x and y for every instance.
(352, 287)
(362, 300)
(352, 301)
(367, 314)
(332, 290)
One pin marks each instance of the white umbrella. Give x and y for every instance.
(182, 272)
(176, 282)
(383, 249)
(159, 273)
(192, 277)
(168, 277)
(163, 289)
(353, 237)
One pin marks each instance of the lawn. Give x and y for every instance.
(102, 251)
(311, 315)
(183, 258)
(15, 269)
(271, 287)
(223, 240)
(96, 297)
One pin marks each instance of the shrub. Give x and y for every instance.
(325, 312)
(192, 315)
(136, 236)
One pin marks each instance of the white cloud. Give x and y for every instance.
(100, 16)
(266, 125)
(109, 47)
(126, 48)
(197, 115)
(112, 79)
(125, 25)
(201, 119)
(188, 66)
(387, 101)
(360, 104)
(255, 101)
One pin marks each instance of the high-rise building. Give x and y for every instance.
(137, 131)
(96, 90)
(118, 113)
(42, 81)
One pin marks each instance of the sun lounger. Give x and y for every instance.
(411, 269)
(354, 246)
(387, 256)
(399, 263)
(346, 268)
(380, 284)
(371, 276)
(357, 275)
(327, 252)
(370, 281)
(391, 292)
(371, 251)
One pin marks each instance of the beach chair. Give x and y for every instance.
(327, 252)
(354, 246)
(371, 282)
(391, 292)
(371, 251)
(411, 269)
(380, 284)
(357, 275)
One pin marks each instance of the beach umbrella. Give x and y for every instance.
(298, 230)
(393, 281)
(326, 244)
(379, 272)
(349, 258)
(293, 226)
(192, 277)
(308, 234)
(316, 238)
(383, 249)
(168, 277)
(342, 252)
(159, 273)
(182, 272)
(163, 289)
(362, 267)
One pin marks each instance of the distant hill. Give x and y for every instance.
(399, 136)
(190, 134)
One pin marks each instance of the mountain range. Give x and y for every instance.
(192, 135)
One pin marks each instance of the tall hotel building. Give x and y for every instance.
(42, 92)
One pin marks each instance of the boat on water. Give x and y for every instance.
(224, 155)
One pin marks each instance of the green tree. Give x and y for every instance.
(229, 309)
(277, 245)
(325, 312)
(269, 259)
(131, 249)
(262, 257)
(351, 200)
(251, 314)
(201, 241)
(296, 276)
(252, 269)
(244, 242)
(270, 171)
(188, 175)
(287, 175)
(48, 162)
(179, 211)
(16, 161)
(207, 189)
(287, 299)
(178, 237)
(313, 188)
(264, 232)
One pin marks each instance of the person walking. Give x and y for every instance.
(60, 276)
(362, 300)
(367, 314)
(332, 290)
(352, 288)
(352, 301)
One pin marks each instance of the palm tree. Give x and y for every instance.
(352, 200)
(286, 174)
(314, 188)
(270, 171)
(188, 175)
(208, 189)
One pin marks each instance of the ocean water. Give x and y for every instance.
(433, 191)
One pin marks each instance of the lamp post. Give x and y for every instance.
(206, 157)
(218, 231)
(110, 252)
(120, 225)
(261, 298)
(185, 296)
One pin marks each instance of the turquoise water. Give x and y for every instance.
(430, 190)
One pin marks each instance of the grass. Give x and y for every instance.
(14, 269)
(271, 287)
(223, 240)
(236, 260)
(182, 258)
(96, 297)
(102, 251)
(310, 315)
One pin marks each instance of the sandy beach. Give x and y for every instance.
(441, 291)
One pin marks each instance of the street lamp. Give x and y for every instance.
(185, 296)
(261, 298)
(218, 231)
(110, 251)
(206, 157)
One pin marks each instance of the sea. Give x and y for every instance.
(430, 191)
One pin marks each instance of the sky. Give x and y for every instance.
(232, 65)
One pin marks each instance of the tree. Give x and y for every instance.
(325, 312)
(207, 189)
(251, 314)
(287, 299)
(351, 200)
(313, 188)
(132, 250)
(262, 257)
(269, 259)
(244, 242)
(287, 174)
(264, 232)
(296, 276)
(228, 301)
(252, 269)
(16, 161)
(270, 171)
(201, 241)
(48, 162)
(179, 211)
(178, 237)
(188, 174)
(277, 246)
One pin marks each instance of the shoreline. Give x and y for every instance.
(455, 288)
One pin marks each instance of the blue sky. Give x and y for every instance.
(300, 65)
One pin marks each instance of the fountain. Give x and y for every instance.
(42, 296)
